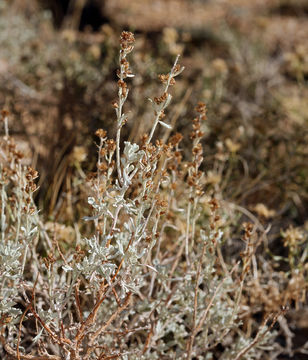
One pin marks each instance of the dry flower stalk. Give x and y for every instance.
(150, 282)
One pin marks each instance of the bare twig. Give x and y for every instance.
(260, 335)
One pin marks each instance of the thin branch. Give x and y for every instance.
(78, 307)
(203, 317)
(13, 353)
(110, 320)
(22, 318)
(260, 336)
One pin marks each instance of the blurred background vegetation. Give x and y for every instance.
(247, 60)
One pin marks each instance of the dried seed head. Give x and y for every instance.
(201, 108)
(176, 139)
(214, 204)
(31, 174)
(161, 99)
(111, 145)
(4, 114)
(101, 133)
(165, 78)
(102, 167)
(127, 40)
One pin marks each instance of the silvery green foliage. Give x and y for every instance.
(10, 254)
(130, 290)
(18, 233)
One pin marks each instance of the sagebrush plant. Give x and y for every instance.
(150, 282)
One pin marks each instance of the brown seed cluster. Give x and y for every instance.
(49, 260)
(164, 79)
(161, 99)
(4, 114)
(176, 69)
(248, 229)
(176, 139)
(110, 145)
(10, 148)
(106, 151)
(127, 40)
(79, 254)
(197, 133)
(246, 255)
(194, 177)
(161, 205)
(101, 133)
(122, 84)
(30, 188)
(143, 140)
(214, 204)
(127, 44)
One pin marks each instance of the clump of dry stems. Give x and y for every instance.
(150, 282)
